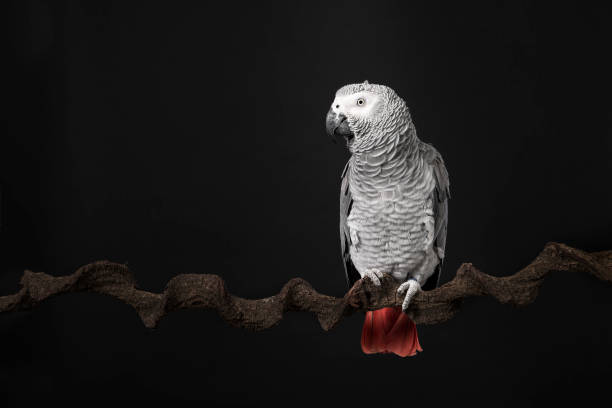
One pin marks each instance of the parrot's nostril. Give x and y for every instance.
(337, 106)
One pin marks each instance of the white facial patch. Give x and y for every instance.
(360, 105)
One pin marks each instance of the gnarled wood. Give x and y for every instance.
(209, 291)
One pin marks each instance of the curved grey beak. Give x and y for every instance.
(337, 126)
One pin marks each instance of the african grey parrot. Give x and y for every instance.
(393, 206)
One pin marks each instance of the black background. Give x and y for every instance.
(190, 138)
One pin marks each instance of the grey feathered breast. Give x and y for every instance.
(439, 198)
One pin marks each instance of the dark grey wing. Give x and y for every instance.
(439, 197)
(346, 203)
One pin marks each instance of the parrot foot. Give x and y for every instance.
(411, 287)
(374, 274)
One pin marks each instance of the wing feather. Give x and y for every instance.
(440, 196)
(346, 204)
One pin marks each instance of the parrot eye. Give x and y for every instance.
(360, 101)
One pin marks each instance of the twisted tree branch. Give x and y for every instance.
(209, 291)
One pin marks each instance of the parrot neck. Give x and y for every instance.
(390, 162)
(396, 147)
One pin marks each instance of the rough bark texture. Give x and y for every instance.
(209, 291)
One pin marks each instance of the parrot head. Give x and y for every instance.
(367, 116)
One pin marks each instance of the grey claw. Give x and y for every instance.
(374, 275)
(411, 287)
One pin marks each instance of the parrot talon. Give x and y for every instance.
(411, 287)
(375, 275)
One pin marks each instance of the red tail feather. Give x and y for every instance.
(389, 330)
